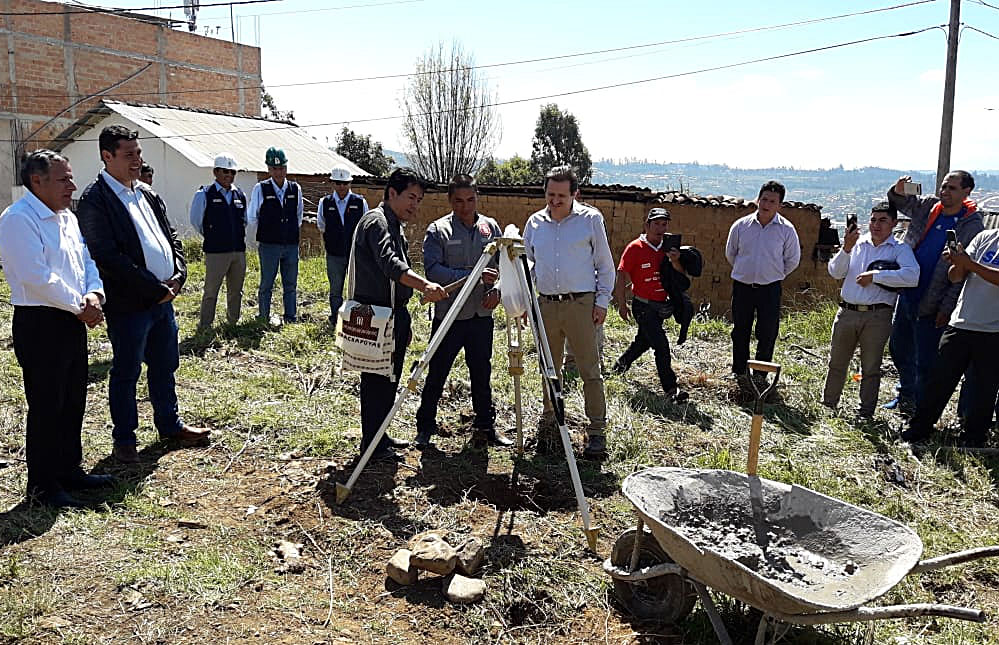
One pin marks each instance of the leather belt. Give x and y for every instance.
(647, 301)
(562, 297)
(755, 285)
(876, 306)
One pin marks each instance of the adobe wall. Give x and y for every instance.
(703, 222)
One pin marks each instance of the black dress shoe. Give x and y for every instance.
(385, 455)
(422, 440)
(83, 481)
(398, 444)
(596, 448)
(59, 499)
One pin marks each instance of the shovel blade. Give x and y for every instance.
(341, 493)
(591, 537)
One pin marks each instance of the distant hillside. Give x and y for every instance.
(837, 190)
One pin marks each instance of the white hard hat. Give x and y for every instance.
(225, 161)
(341, 174)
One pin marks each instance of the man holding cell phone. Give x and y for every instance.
(922, 312)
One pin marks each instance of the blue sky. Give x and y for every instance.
(877, 103)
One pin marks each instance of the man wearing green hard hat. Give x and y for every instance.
(275, 213)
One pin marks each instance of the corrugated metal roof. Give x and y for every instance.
(199, 135)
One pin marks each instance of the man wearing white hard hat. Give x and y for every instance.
(218, 213)
(338, 215)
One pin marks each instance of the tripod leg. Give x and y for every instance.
(343, 490)
(550, 378)
(515, 354)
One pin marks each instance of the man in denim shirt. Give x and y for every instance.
(452, 246)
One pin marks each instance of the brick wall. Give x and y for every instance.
(58, 59)
(701, 223)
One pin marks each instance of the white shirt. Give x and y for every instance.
(199, 202)
(571, 255)
(156, 248)
(850, 265)
(45, 258)
(762, 254)
(257, 199)
(341, 207)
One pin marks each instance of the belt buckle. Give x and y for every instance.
(864, 308)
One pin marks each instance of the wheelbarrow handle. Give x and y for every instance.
(952, 559)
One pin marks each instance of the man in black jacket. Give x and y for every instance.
(141, 263)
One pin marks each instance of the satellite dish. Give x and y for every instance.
(191, 11)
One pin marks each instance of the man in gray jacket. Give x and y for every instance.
(923, 311)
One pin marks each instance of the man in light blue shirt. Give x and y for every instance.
(57, 293)
(763, 249)
(566, 243)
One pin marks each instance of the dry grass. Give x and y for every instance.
(180, 551)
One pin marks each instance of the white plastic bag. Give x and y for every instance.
(511, 288)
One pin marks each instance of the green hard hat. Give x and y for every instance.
(275, 157)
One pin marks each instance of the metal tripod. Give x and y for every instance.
(549, 374)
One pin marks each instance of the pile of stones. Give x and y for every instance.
(456, 565)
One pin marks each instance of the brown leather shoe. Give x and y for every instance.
(125, 454)
(191, 436)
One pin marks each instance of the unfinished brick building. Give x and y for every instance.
(59, 55)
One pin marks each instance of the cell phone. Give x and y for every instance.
(671, 241)
(951, 239)
(851, 221)
(912, 188)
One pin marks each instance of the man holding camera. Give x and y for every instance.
(874, 265)
(922, 312)
(651, 305)
(969, 343)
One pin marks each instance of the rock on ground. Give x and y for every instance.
(462, 590)
(431, 553)
(399, 569)
(470, 555)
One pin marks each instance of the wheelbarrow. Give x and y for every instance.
(796, 555)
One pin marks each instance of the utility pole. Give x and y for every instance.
(950, 80)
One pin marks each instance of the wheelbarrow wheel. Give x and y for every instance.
(669, 598)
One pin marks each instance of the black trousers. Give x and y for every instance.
(475, 336)
(650, 335)
(749, 303)
(961, 350)
(378, 392)
(51, 348)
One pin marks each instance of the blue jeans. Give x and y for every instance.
(336, 271)
(272, 257)
(149, 337)
(913, 347)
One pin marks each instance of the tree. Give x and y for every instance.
(449, 126)
(364, 152)
(515, 170)
(557, 142)
(270, 110)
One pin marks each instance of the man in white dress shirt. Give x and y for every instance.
(566, 243)
(57, 293)
(763, 249)
(275, 213)
(868, 263)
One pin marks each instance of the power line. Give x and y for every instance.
(986, 4)
(113, 10)
(984, 33)
(514, 62)
(284, 13)
(571, 92)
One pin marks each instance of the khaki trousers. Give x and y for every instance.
(231, 267)
(572, 320)
(870, 330)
